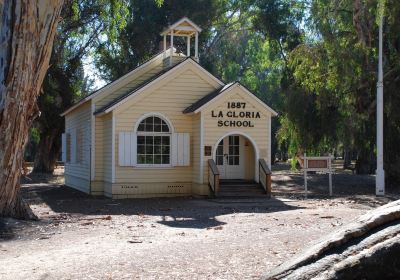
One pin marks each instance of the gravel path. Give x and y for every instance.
(80, 237)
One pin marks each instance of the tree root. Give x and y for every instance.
(368, 248)
(19, 210)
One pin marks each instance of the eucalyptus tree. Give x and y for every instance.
(26, 35)
(331, 98)
(84, 23)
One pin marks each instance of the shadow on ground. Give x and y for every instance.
(184, 212)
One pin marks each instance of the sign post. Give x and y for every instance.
(317, 164)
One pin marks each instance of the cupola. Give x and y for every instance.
(182, 28)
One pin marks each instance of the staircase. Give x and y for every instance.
(240, 188)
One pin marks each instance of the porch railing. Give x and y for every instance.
(213, 176)
(264, 176)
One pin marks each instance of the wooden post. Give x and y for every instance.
(216, 184)
(305, 174)
(330, 174)
(188, 46)
(196, 46)
(268, 184)
(165, 46)
(172, 47)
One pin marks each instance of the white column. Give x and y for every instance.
(172, 47)
(196, 47)
(165, 46)
(380, 173)
(188, 46)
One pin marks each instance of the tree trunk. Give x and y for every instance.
(366, 162)
(368, 248)
(27, 32)
(347, 157)
(48, 151)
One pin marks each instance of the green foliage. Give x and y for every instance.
(140, 38)
(314, 61)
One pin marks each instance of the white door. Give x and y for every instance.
(229, 157)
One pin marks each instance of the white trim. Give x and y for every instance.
(155, 114)
(152, 166)
(188, 46)
(170, 133)
(201, 179)
(255, 147)
(64, 147)
(172, 45)
(269, 159)
(237, 85)
(165, 46)
(93, 143)
(195, 26)
(196, 46)
(110, 86)
(176, 68)
(113, 150)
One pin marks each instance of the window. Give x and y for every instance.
(233, 158)
(220, 153)
(153, 142)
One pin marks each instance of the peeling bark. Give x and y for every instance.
(27, 32)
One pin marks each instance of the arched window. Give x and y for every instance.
(153, 142)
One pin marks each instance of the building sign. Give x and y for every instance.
(207, 150)
(236, 115)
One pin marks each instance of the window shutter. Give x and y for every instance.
(73, 145)
(64, 147)
(180, 149)
(127, 149)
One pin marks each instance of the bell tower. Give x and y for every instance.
(183, 28)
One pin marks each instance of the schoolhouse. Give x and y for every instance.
(167, 128)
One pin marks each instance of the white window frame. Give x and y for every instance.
(145, 133)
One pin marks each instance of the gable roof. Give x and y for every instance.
(110, 85)
(179, 22)
(137, 90)
(205, 101)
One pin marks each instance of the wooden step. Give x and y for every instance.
(240, 189)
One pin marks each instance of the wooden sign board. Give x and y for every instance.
(317, 164)
(207, 151)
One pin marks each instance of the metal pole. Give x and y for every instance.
(380, 173)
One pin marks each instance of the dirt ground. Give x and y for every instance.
(82, 237)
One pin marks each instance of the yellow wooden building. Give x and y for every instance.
(167, 128)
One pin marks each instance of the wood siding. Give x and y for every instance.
(259, 133)
(196, 148)
(169, 98)
(107, 148)
(77, 174)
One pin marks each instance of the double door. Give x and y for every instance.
(229, 157)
